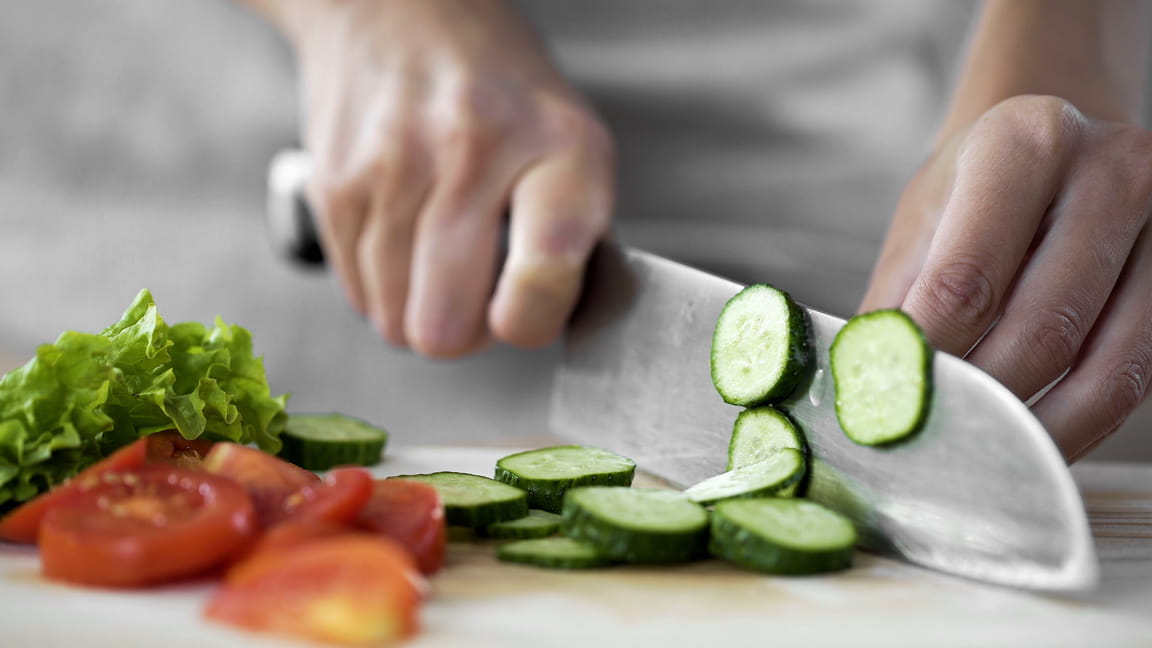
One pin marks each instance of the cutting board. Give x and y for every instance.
(477, 601)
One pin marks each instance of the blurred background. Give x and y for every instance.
(762, 141)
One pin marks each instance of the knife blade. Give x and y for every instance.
(981, 492)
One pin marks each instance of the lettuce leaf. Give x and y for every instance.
(86, 395)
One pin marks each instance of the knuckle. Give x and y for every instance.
(1125, 386)
(1042, 126)
(569, 122)
(961, 291)
(1054, 336)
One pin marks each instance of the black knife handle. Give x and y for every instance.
(288, 217)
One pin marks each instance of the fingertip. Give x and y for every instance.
(533, 302)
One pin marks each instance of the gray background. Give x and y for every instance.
(764, 141)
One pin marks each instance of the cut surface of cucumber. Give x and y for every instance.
(323, 441)
(760, 432)
(882, 372)
(547, 473)
(782, 536)
(473, 500)
(555, 553)
(639, 525)
(537, 524)
(760, 346)
(768, 477)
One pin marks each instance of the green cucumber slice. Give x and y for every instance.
(759, 433)
(556, 553)
(323, 441)
(768, 477)
(781, 536)
(760, 347)
(537, 524)
(637, 525)
(547, 473)
(882, 372)
(474, 501)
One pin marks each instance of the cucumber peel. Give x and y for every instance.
(782, 536)
(472, 500)
(547, 473)
(637, 525)
(324, 441)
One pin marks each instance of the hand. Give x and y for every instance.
(428, 121)
(1023, 245)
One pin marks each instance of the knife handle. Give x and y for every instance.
(288, 216)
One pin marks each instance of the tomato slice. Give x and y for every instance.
(349, 589)
(151, 525)
(171, 447)
(412, 514)
(338, 498)
(23, 523)
(293, 533)
(269, 480)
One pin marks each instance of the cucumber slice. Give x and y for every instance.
(474, 501)
(881, 369)
(637, 525)
(761, 432)
(556, 553)
(323, 441)
(760, 347)
(548, 473)
(782, 536)
(768, 477)
(537, 524)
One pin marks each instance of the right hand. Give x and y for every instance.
(428, 121)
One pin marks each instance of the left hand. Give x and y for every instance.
(1023, 245)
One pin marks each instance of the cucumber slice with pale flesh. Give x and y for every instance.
(637, 525)
(555, 553)
(323, 441)
(781, 536)
(761, 432)
(547, 473)
(767, 477)
(537, 524)
(473, 500)
(882, 372)
(760, 347)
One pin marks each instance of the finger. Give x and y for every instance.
(1007, 176)
(340, 211)
(456, 246)
(400, 184)
(1111, 377)
(1063, 287)
(560, 209)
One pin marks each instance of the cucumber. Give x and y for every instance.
(548, 473)
(537, 524)
(637, 525)
(474, 501)
(761, 432)
(323, 441)
(781, 536)
(556, 553)
(760, 347)
(882, 373)
(768, 477)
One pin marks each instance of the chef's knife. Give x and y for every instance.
(980, 492)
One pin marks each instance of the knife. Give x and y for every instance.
(981, 492)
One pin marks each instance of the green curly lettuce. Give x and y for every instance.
(86, 395)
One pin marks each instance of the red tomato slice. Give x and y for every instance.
(23, 523)
(294, 533)
(151, 525)
(412, 514)
(171, 447)
(269, 480)
(338, 498)
(350, 590)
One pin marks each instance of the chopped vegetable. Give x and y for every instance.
(338, 499)
(537, 524)
(548, 473)
(769, 477)
(782, 536)
(86, 395)
(638, 525)
(412, 514)
(760, 347)
(475, 501)
(268, 480)
(555, 553)
(882, 371)
(760, 432)
(323, 441)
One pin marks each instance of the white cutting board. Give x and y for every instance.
(477, 601)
